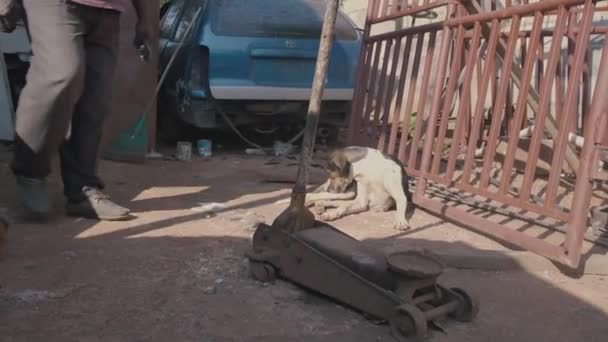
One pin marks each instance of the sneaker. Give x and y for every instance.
(34, 196)
(98, 206)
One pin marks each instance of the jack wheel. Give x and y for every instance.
(262, 271)
(408, 323)
(469, 307)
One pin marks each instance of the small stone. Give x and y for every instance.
(209, 290)
(30, 266)
(219, 281)
(209, 209)
(69, 254)
(273, 161)
(255, 152)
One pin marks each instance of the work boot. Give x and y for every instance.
(97, 205)
(34, 197)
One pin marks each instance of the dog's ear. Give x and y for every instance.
(338, 163)
(354, 153)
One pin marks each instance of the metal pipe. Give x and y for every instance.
(506, 13)
(569, 106)
(544, 33)
(316, 96)
(441, 310)
(424, 298)
(413, 10)
(406, 32)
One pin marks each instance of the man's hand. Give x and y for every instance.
(147, 23)
(143, 36)
(10, 14)
(143, 33)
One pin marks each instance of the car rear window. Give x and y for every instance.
(274, 18)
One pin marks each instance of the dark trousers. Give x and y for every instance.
(70, 79)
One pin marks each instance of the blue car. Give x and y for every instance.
(251, 62)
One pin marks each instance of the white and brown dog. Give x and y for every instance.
(362, 179)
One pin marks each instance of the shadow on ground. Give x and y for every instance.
(173, 274)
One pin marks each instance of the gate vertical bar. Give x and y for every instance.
(543, 110)
(522, 102)
(499, 104)
(569, 112)
(431, 122)
(584, 183)
(478, 112)
(365, 58)
(430, 54)
(458, 132)
(407, 115)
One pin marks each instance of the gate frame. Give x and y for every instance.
(585, 164)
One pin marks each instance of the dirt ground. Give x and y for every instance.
(177, 273)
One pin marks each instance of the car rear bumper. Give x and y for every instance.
(277, 93)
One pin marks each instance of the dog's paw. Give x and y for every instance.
(330, 215)
(402, 224)
(318, 209)
(310, 204)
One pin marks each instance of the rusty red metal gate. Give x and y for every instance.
(491, 104)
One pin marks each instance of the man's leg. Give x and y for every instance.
(79, 154)
(54, 84)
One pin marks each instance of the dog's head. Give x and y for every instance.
(338, 170)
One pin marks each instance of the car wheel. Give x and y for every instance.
(171, 128)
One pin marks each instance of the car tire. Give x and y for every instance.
(171, 128)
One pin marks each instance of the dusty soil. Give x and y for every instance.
(177, 273)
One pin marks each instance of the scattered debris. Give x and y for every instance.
(204, 148)
(255, 152)
(36, 296)
(70, 254)
(210, 290)
(283, 149)
(218, 271)
(154, 155)
(184, 151)
(209, 208)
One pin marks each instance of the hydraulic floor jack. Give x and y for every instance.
(400, 287)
